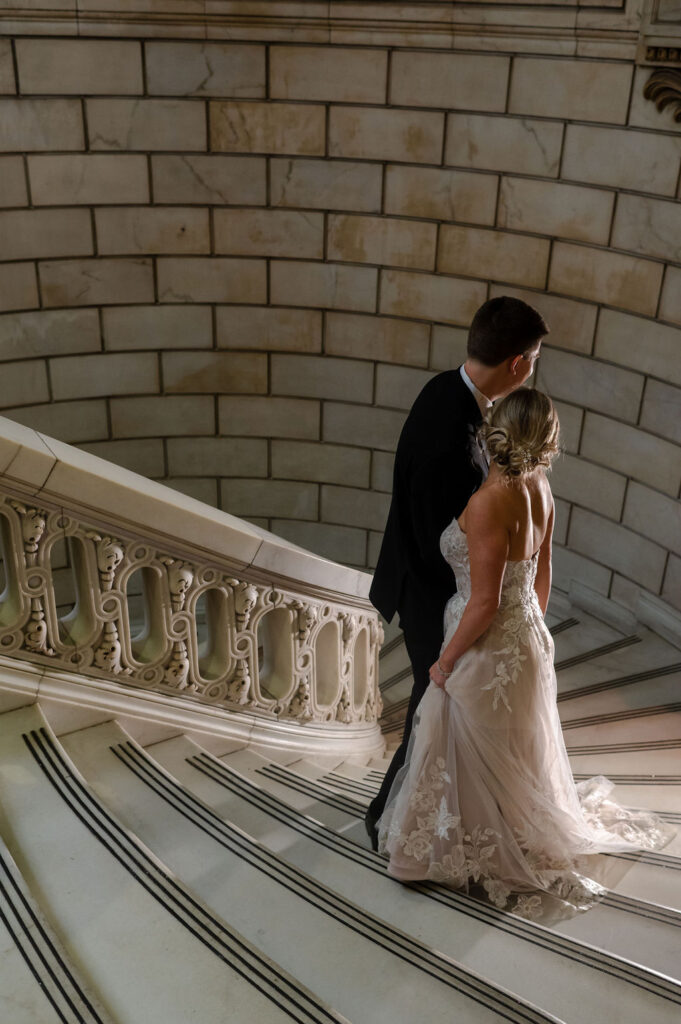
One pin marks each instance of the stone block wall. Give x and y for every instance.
(232, 265)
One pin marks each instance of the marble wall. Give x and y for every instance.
(231, 265)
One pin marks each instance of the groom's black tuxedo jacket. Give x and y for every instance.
(438, 466)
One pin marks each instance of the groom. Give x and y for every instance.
(438, 466)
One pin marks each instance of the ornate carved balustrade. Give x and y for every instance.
(112, 576)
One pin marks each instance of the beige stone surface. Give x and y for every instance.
(329, 285)
(648, 226)
(211, 280)
(374, 548)
(510, 144)
(142, 124)
(33, 125)
(43, 333)
(550, 208)
(455, 81)
(203, 489)
(381, 338)
(140, 456)
(560, 523)
(385, 240)
(335, 73)
(590, 383)
(621, 158)
(269, 233)
(398, 386)
(162, 416)
(269, 498)
(211, 178)
(641, 344)
(671, 588)
(351, 506)
(123, 231)
(362, 425)
(251, 127)
(632, 451)
(323, 463)
(268, 416)
(661, 410)
(568, 565)
(27, 234)
(18, 286)
(496, 255)
(440, 194)
(71, 422)
(670, 305)
(617, 548)
(214, 372)
(572, 324)
(129, 328)
(588, 484)
(204, 69)
(386, 134)
(7, 83)
(654, 515)
(608, 277)
(215, 456)
(90, 282)
(448, 347)
(269, 328)
(430, 297)
(13, 178)
(91, 376)
(340, 543)
(571, 418)
(79, 66)
(24, 383)
(321, 377)
(69, 179)
(326, 184)
(580, 90)
(382, 464)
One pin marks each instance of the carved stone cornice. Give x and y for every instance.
(663, 88)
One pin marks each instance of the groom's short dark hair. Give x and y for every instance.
(504, 327)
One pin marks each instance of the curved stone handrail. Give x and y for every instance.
(233, 616)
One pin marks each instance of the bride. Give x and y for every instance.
(486, 795)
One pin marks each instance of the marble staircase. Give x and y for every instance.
(153, 875)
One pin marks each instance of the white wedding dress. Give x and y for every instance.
(486, 795)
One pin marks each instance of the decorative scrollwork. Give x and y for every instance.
(664, 88)
(180, 579)
(108, 652)
(109, 556)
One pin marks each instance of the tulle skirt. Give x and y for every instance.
(486, 799)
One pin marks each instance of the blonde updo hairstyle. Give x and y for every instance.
(522, 432)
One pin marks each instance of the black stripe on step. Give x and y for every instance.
(626, 746)
(46, 963)
(579, 659)
(614, 684)
(212, 933)
(621, 716)
(404, 673)
(351, 785)
(392, 645)
(636, 780)
(560, 627)
(325, 900)
(306, 786)
(460, 902)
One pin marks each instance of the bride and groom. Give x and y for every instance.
(480, 790)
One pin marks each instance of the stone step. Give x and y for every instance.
(355, 959)
(651, 651)
(640, 693)
(639, 725)
(38, 982)
(146, 945)
(527, 956)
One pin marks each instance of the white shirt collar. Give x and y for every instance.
(484, 403)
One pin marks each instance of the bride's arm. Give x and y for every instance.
(542, 582)
(488, 547)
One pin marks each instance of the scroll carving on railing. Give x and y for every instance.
(149, 617)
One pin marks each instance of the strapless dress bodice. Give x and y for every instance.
(518, 582)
